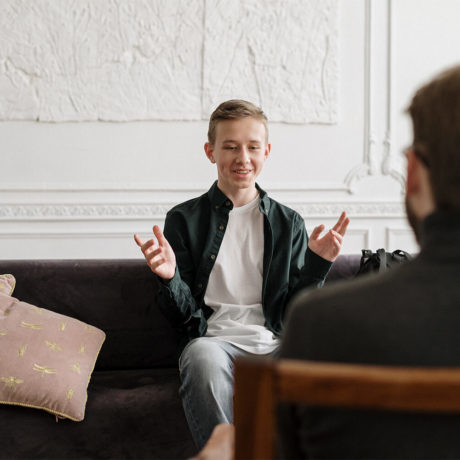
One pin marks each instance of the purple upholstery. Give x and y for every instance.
(133, 408)
(345, 267)
(117, 296)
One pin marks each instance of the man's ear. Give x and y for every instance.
(267, 150)
(413, 174)
(209, 149)
(418, 187)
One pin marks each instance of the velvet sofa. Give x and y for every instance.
(133, 408)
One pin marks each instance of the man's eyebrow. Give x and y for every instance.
(252, 141)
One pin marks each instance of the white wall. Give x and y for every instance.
(73, 189)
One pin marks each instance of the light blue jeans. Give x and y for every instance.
(206, 371)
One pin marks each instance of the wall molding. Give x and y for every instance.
(378, 157)
(392, 234)
(83, 211)
(148, 211)
(364, 233)
(361, 209)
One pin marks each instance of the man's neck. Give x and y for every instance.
(241, 197)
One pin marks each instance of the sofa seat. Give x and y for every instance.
(129, 414)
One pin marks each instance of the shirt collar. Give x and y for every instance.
(220, 201)
(264, 200)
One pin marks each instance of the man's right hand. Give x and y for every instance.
(160, 256)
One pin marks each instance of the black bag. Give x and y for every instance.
(381, 260)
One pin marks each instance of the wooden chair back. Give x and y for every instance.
(261, 384)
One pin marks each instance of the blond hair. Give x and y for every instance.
(235, 109)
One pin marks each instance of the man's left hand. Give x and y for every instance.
(328, 246)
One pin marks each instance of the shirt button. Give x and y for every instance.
(213, 256)
(221, 227)
(200, 285)
(217, 206)
(227, 203)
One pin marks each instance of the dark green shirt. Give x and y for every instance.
(195, 230)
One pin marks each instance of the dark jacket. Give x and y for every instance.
(195, 230)
(409, 316)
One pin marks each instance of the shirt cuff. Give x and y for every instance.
(173, 283)
(317, 266)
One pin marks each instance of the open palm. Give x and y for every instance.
(160, 256)
(328, 246)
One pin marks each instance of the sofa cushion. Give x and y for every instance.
(46, 359)
(7, 283)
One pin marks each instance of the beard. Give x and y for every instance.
(414, 221)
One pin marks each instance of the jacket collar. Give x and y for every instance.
(441, 229)
(264, 200)
(219, 200)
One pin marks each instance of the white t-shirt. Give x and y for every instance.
(234, 289)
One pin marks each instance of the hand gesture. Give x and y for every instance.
(328, 246)
(160, 257)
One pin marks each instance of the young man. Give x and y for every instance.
(228, 263)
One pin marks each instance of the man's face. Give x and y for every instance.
(240, 151)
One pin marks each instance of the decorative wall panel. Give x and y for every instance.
(280, 54)
(121, 60)
(100, 59)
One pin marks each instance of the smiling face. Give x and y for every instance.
(239, 152)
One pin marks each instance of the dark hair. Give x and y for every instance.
(435, 113)
(235, 109)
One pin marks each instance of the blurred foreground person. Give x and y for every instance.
(409, 316)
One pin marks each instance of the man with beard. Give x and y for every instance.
(409, 316)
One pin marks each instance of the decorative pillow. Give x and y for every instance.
(7, 283)
(46, 359)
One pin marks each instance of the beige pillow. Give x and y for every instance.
(46, 359)
(7, 283)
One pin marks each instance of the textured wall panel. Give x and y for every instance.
(119, 60)
(282, 54)
(100, 59)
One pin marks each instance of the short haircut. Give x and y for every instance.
(435, 113)
(235, 109)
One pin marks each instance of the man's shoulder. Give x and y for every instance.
(349, 295)
(190, 206)
(280, 210)
(348, 305)
(333, 322)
